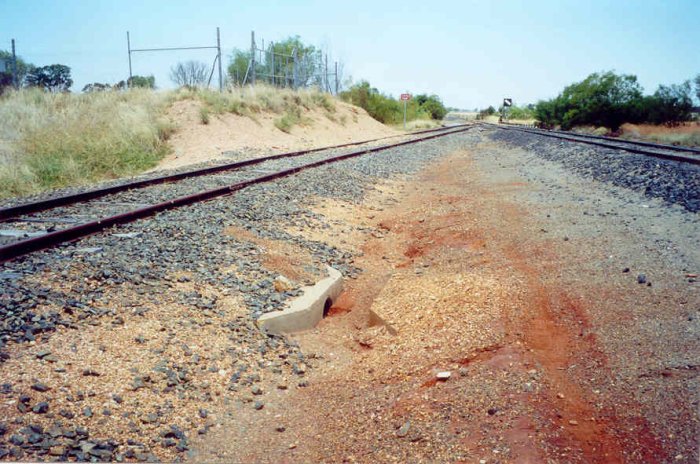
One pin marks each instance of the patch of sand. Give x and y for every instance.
(195, 142)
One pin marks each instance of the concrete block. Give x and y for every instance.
(305, 311)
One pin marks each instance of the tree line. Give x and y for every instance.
(57, 78)
(609, 100)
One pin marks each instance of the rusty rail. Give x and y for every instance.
(639, 151)
(11, 212)
(24, 247)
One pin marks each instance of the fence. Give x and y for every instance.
(278, 66)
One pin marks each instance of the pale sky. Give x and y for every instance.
(470, 53)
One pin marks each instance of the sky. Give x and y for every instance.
(470, 53)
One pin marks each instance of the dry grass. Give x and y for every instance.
(687, 134)
(249, 101)
(55, 140)
(419, 124)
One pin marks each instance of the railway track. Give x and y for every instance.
(680, 154)
(50, 222)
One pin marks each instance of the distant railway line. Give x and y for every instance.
(668, 152)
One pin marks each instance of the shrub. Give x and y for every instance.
(609, 100)
(388, 110)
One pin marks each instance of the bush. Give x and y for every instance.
(609, 100)
(388, 110)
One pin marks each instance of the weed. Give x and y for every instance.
(204, 114)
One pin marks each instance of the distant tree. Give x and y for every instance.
(697, 88)
(670, 104)
(190, 74)
(96, 87)
(432, 105)
(602, 99)
(54, 78)
(147, 82)
(286, 51)
(238, 67)
(6, 77)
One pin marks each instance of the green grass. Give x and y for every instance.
(57, 140)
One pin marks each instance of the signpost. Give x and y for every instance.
(507, 103)
(405, 97)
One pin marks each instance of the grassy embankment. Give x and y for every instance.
(57, 140)
(248, 101)
(54, 140)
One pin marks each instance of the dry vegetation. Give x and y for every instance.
(687, 134)
(50, 140)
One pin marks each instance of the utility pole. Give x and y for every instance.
(336, 78)
(128, 44)
(218, 56)
(404, 113)
(294, 68)
(272, 63)
(252, 57)
(15, 80)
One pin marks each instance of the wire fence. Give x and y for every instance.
(288, 64)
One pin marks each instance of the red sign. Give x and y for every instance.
(405, 96)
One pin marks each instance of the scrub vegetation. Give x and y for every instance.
(610, 100)
(388, 110)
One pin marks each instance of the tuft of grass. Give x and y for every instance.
(291, 118)
(419, 124)
(249, 101)
(204, 114)
(56, 140)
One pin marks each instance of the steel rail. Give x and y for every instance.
(11, 212)
(639, 151)
(641, 143)
(24, 247)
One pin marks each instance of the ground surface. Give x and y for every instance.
(508, 272)
(229, 134)
(479, 254)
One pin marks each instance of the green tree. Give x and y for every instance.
(697, 87)
(238, 66)
(146, 82)
(96, 87)
(431, 104)
(282, 67)
(6, 77)
(54, 78)
(601, 99)
(670, 104)
(381, 107)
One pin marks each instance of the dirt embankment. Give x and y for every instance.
(196, 142)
